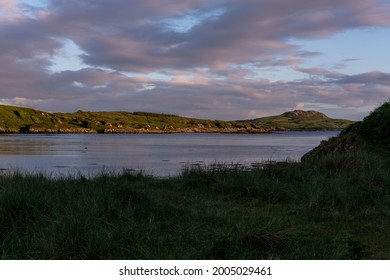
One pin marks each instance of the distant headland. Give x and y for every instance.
(26, 120)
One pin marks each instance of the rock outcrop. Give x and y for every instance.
(300, 114)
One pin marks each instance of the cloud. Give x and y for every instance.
(8, 10)
(319, 72)
(133, 37)
(374, 78)
(212, 55)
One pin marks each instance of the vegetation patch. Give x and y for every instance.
(25, 120)
(302, 120)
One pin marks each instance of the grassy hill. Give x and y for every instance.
(372, 134)
(302, 120)
(17, 119)
(25, 120)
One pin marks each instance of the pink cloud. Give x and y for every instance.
(319, 72)
(214, 65)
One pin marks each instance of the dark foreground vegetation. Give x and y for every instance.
(337, 208)
(333, 205)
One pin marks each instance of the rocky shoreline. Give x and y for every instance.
(138, 131)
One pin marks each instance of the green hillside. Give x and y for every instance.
(302, 120)
(371, 135)
(25, 120)
(17, 119)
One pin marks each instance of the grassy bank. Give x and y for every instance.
(336, 207)
(25, 120)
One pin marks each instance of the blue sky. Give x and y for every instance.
(222, 59)
(365, 47)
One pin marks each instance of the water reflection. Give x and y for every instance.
(161, 155)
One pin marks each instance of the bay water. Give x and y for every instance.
(155, 154)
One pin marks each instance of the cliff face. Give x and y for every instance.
(372, 134)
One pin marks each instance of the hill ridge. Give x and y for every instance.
(26, 120)
(371, 134)
(15, 119)
(301, 120)
(304, 114)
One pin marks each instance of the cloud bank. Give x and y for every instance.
(211, 59)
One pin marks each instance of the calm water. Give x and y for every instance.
(157, 154)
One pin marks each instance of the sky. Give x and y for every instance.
(214, 59)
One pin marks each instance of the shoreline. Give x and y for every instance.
(184, 131)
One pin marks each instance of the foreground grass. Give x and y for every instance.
(337, 207)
